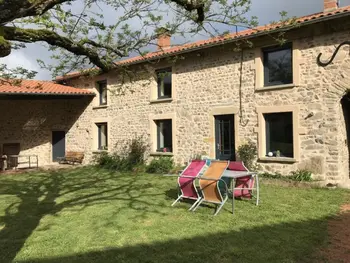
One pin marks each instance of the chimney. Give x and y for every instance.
(163, 38)
(330, 5)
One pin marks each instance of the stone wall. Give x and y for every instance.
(30, 122)
(209, 80)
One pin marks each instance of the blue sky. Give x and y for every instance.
(265, 10)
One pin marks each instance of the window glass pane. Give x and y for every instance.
(226, 136)
(164, 83)
(278, 66)
(279, 134)
(102, 136)
(164, 136)
(102, 89)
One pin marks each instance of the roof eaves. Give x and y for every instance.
(47, 94)
(303, 21)
(277, 29)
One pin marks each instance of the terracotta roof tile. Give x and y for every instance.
(218, 40)
(36, 87)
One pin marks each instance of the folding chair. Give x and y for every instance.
(186, 182)
(209, 185)
(244, 186)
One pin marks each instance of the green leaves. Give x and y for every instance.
(87, 33)
(15, 73)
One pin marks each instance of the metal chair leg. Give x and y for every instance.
(257, 190)
(177, 200)
(195, 204)
(199, 203)
(233, 203)
(222, 204)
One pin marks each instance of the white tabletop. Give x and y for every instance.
(236, 174)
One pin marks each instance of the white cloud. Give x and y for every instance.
(26, 58)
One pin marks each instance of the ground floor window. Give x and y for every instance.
(164, 136)
(102, 136)
(279, 134)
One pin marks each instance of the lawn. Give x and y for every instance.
(91, 215)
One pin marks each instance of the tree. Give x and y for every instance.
(85, 33)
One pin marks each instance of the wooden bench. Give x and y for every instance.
(72, 157)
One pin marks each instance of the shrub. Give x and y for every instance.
(130, 157)
(136, 152)
(247, 153)
(103, 159)
(160, 165)
(198, 156)
(301, 175)
(272, 175)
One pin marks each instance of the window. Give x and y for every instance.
(164, 83)
(102, 136)
(164, 136)
(102, 92)
(278, 65)
(279, 134)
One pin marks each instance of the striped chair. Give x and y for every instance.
(209, 185)
(186, 182)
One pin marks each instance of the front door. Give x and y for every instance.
(225, 137)
(58, 145)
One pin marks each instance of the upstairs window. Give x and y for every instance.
(102, 136)
(278, 65)
(164, 136)
(102, 92)
(279, 134)
(164, 83)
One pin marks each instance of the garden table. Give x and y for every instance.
(234, 175)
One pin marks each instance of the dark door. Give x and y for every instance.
(11, 149)
(225, 137)
(58, 145)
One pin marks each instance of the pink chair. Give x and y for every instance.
(243, 185)
(186, 182)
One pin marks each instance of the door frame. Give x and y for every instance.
(223, 110)
(65, 142)
(230, 117)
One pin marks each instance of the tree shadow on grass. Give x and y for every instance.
(38, 197)
(287, 242)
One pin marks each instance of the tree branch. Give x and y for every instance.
(5, 47)
(52, 38)
(191, 5)
(11, 10)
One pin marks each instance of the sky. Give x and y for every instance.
(265, 10)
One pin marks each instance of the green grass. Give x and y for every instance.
(90, 215)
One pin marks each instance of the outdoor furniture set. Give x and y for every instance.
(213, 178)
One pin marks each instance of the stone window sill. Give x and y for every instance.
(161, 100)
(277, 159)
(99, 151)
(276, 87)
(161, 154)
(100, 107)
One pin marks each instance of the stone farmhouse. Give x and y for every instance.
(209, 100)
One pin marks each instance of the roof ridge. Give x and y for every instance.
(216, 39)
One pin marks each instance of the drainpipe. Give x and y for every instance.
(243, 123)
